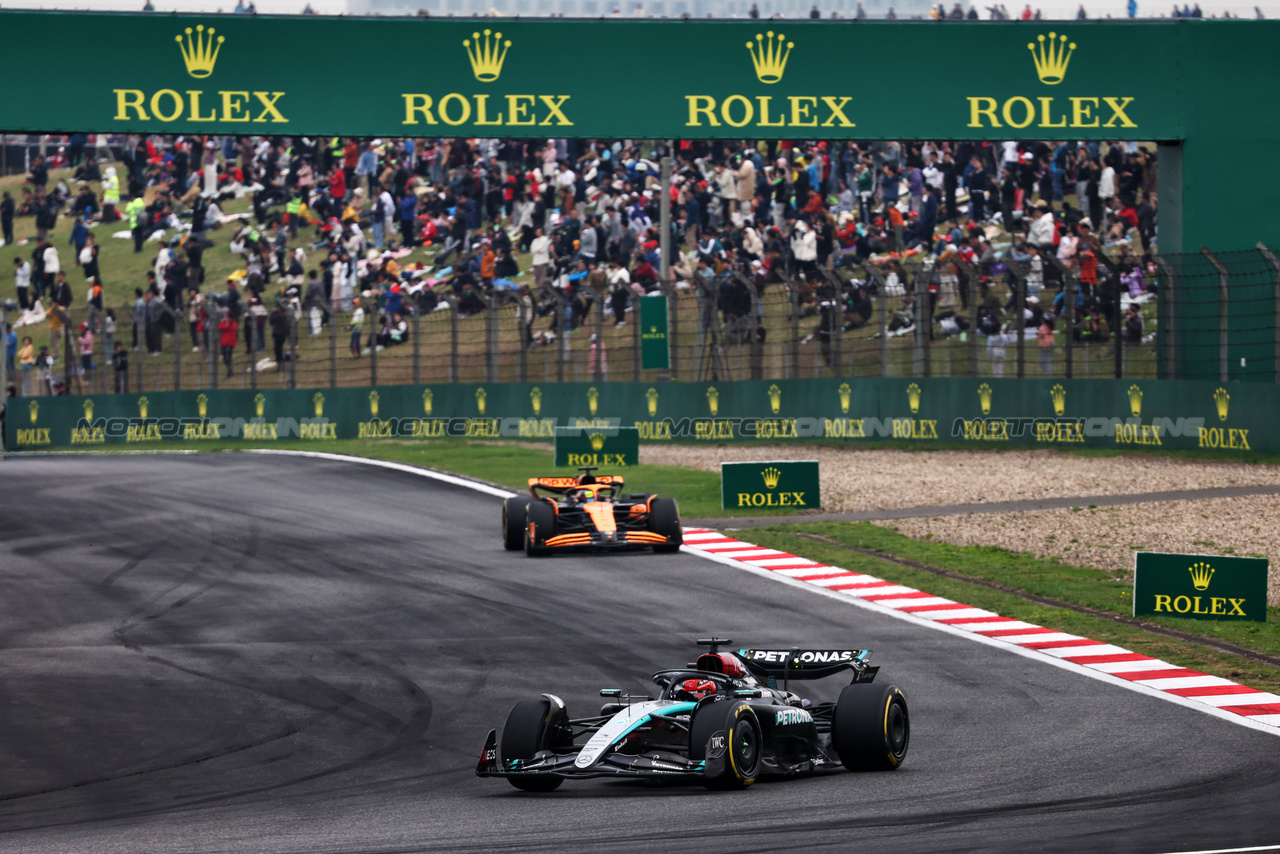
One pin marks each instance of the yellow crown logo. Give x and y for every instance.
(487, 56)
(33, 408)
(1221, 398)
(984, 398)
(652, 395)
(259, 403)
(771, 477)
(845, 394)
(597, 441)
(593, 399)
(913, 398)
(427, 399)
(202, 406)
(768, 56)
(317, 402)
(88, 411)
(481, 394)
(1135, 401)
(1201, 574)
(201, 54)
(373, 404)
(775, 399)
(1059, 396)
(535, 397)
(1051, 57)
(142, 407)
(713, 400)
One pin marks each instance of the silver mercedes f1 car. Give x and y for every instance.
(725, 720)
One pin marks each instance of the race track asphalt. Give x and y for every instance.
(262, 654)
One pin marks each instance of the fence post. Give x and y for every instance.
(664, 221)
(523, 327)
(1168, 333)
(924, 325)
(417, 346)
(1020, 315)
(209, 334)
(1069, 285)
(971, 274)
(374, 329)
(875, 274)
(756, 354)
(293, 351)
(452, 299)
(1275, 329)
(635, 339)
(1222, 312)
(673, 314)
(597, 303)
(253, 349)
(333, 347)
(490, 337)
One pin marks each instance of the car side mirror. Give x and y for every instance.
(610, 692)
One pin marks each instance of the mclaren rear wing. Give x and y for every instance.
(807, 663)
(564, 484)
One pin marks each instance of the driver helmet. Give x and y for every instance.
(696, 689)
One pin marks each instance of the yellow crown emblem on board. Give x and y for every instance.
(259, 403)
(769, 57)
(597, 441)
(1201, 574)
(771, 477)
(713, 399)
(373, 404)
(775, 399)
(1052, 56)
(201, 54)
(1135, 401)
(913, 398)
(427, 399)
(202, 405)
(142, 407)
(33, 409)
(652, 395)
(487, 56)
(1059, 396)
(984, 398)
(535, 397)
(317, 401)
(481, 394)
(1221, 398)
(88, 411)
(593, 399)
(845, 394)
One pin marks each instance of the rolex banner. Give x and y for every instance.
(770, 485)
(603, 447)
(1202, 587)
(655, 347)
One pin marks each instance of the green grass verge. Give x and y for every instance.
(1092, 588)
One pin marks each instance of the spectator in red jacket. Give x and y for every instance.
(229, 330)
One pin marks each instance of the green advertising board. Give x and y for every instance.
(603, 447)
(770, 485)
(1202, 587)
(655, 346)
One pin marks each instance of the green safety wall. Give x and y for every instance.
(1029, 412)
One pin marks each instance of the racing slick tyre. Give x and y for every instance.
(742, 749)
(513, 522)
(664, 518)
(540, 523)
(534, 725)
(871, 727)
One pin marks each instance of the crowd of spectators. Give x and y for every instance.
(544, 229)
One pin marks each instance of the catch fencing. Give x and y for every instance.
(1195, 316)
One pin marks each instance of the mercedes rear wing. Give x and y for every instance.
(807, 663)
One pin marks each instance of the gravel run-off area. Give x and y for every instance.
(1102, 537)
